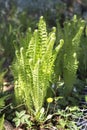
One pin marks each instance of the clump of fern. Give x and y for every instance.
(34, 66)
(67, 61)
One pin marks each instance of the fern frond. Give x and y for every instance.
(82, 55)
(67, 59)
(42, 36)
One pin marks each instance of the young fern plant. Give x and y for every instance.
(67, 61)
(34, 67)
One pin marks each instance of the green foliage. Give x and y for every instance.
(67, 61)
(7, 38)
(2, 103)
(8, 24)
(68, 117)
(82, 56)
(33, 67)
(1, 74)
(21, 118)
(2, 123)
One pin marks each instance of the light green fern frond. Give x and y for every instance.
(42, 35)
(67, 59)
(71, 62)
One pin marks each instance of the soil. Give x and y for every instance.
(8, 126)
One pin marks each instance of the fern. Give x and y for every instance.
(82, 56)
(34, 67)
(71, 63)
(67, 61)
